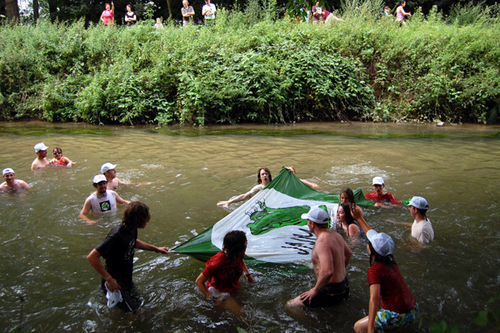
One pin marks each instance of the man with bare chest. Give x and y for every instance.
(330, 257)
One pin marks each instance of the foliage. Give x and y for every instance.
(253, 67)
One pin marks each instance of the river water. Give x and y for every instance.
(185, 172)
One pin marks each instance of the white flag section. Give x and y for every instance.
(272, 222)
(273, 225)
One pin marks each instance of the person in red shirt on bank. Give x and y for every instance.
(392, 304)
(223, 272)
(379, 196)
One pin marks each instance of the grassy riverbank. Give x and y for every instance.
(362, 68)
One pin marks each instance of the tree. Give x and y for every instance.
(12, 10)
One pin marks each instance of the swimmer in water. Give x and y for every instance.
(350, 226)
(11, 183)
(108, 170)
(40, 161)
(59, 159)
(263, 178)
(101, 201)
(379, 196)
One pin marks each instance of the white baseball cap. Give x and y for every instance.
(99, 178)
(40, 146)
(6, 171)
(317, 215)
(419, 203)
(107, 166)
(382, 243)
(378, 181)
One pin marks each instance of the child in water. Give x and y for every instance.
(223, 272)
(60, 160)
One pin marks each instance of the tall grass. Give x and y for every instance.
(252, 67)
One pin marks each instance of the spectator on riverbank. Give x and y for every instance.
(379, 196)
(392, 304)
(59, 159)
(187, 13)
(11, 183)
(317, 14)
(158, 23)
(208, 12)
(223, 271)
(40, 161)
(101, 201)
(119, 249)
(130, 17)
(400, 13)
(108, 15)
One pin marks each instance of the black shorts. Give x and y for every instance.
(131, 301)
(331, 294)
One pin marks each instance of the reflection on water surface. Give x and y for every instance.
(44, 244)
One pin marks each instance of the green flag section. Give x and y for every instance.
(272, 221)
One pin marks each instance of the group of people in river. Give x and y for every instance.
(391, 304)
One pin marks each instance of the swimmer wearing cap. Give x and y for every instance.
(40, 161)
(11, 183)
(101, 201)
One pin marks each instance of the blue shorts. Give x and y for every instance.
(387, 320)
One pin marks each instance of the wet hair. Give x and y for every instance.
(386, 260)
(422, 211)
(259, 181)
(349, 193)
(57, 149)
(234, 244)
(348, 216)
(136, 214)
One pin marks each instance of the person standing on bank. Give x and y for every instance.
(187, 13)
(330, 257)
(118, 249)
(130, 17)
(108, 15)
(400, 13)
(208, 11)
(392, 305)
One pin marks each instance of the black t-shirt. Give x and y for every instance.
(118, 249)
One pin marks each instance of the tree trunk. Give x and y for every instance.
(12, 10)
(169, 3)
(36, 11)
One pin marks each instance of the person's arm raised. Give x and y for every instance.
(357, 214)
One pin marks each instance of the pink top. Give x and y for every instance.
(107, 15)
(399, 14)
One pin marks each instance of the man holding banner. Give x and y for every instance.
(330, 257)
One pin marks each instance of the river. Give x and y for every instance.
(185, 172)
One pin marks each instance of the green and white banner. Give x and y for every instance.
(272, 222)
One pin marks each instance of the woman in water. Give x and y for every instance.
(223, 272)
(108, 15)
(392, 305)
(60, 160)
(350, 226)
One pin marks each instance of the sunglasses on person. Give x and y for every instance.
(57, 152)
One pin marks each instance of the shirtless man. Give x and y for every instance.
(330, 257)
(101, 201)
(10, 183)
(40, 161)
(108, 170)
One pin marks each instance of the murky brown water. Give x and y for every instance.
(44, 244)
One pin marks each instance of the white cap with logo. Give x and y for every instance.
(99, 178)
(7, 170)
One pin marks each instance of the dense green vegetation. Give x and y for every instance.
(252, 67)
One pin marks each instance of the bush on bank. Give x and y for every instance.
(362, 68)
